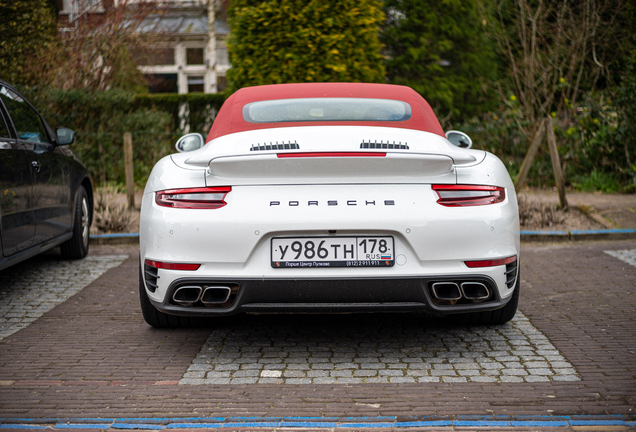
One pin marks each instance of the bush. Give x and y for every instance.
(590, 140)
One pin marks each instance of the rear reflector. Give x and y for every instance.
(468, 195)
(490, 263)
(172, 266)
(193, 198)
(331, 154)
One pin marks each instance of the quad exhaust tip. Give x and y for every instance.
(187, 295)
(451, 292)
(211, 295)
(475, 291)
(448, 291)
(216, 295)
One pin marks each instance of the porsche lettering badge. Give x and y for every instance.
(333, 203)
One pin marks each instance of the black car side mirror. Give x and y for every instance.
(65, 136)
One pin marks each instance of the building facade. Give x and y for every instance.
(188, 50)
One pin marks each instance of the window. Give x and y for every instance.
(154, 57)
(221, 83)
(194, 56)
(195, 84)
(4, 130)
(27, 122)
(162, 83)
(326, 109)
(222, 58)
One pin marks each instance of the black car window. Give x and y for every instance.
(4, 130)
(27, 122)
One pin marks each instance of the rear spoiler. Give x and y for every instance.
(364, 165)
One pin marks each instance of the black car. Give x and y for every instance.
(46, 194)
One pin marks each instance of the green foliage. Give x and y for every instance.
(101, 118)
(285, 41)
(440, 49)
(597, 180)
(625, 103)
(28, 29)
(592, 144)
(199, 108)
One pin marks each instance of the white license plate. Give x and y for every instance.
(367, 251)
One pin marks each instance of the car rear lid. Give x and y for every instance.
(329, 155)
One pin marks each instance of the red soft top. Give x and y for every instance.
(230, 117)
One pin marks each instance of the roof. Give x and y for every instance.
(184, 23)
(230, 117)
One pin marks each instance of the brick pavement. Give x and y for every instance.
(29, 290)
(93, 356)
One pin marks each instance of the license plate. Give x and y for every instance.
(290, 252)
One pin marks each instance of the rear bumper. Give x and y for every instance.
(331, 296)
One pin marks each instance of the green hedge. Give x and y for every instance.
(289, 41)
(100, 120)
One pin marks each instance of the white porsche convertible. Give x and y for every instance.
(330, 198)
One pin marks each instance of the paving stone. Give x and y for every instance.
(454, 379)
(429, 379)
(565, 378)
(349, 380)
(365, 373)
(483, 379)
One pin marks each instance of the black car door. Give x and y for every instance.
(17, 225)
(51, 195)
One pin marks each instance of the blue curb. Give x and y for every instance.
(21, 426)
(538, 421)
(605, 231)
(578, 235)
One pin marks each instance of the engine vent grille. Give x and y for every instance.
(151, 276)
(511, 273)
(282, 146)
(383, 145)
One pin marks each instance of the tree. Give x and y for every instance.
(97, 51)
(285, 41)
(440, 49)
(28, 29)
(554, 51)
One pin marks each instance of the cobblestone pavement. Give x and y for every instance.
(28, 291)
(394, 349)
(628, 256)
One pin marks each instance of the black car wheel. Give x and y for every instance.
(499, 316)
(158, 319)
(77, 246)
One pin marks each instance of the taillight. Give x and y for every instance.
(490, 263)
(468, 195)
(172, 266)
(193, 198)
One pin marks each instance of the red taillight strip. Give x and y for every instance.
(331, 154)
(468, 195)
(172, 266)
(178, 198)
(490, 263)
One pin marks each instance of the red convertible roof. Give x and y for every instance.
(230, 117)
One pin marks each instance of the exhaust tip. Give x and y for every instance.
(214, 295)
(186, 295)
(475, 291)
(448, 291)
